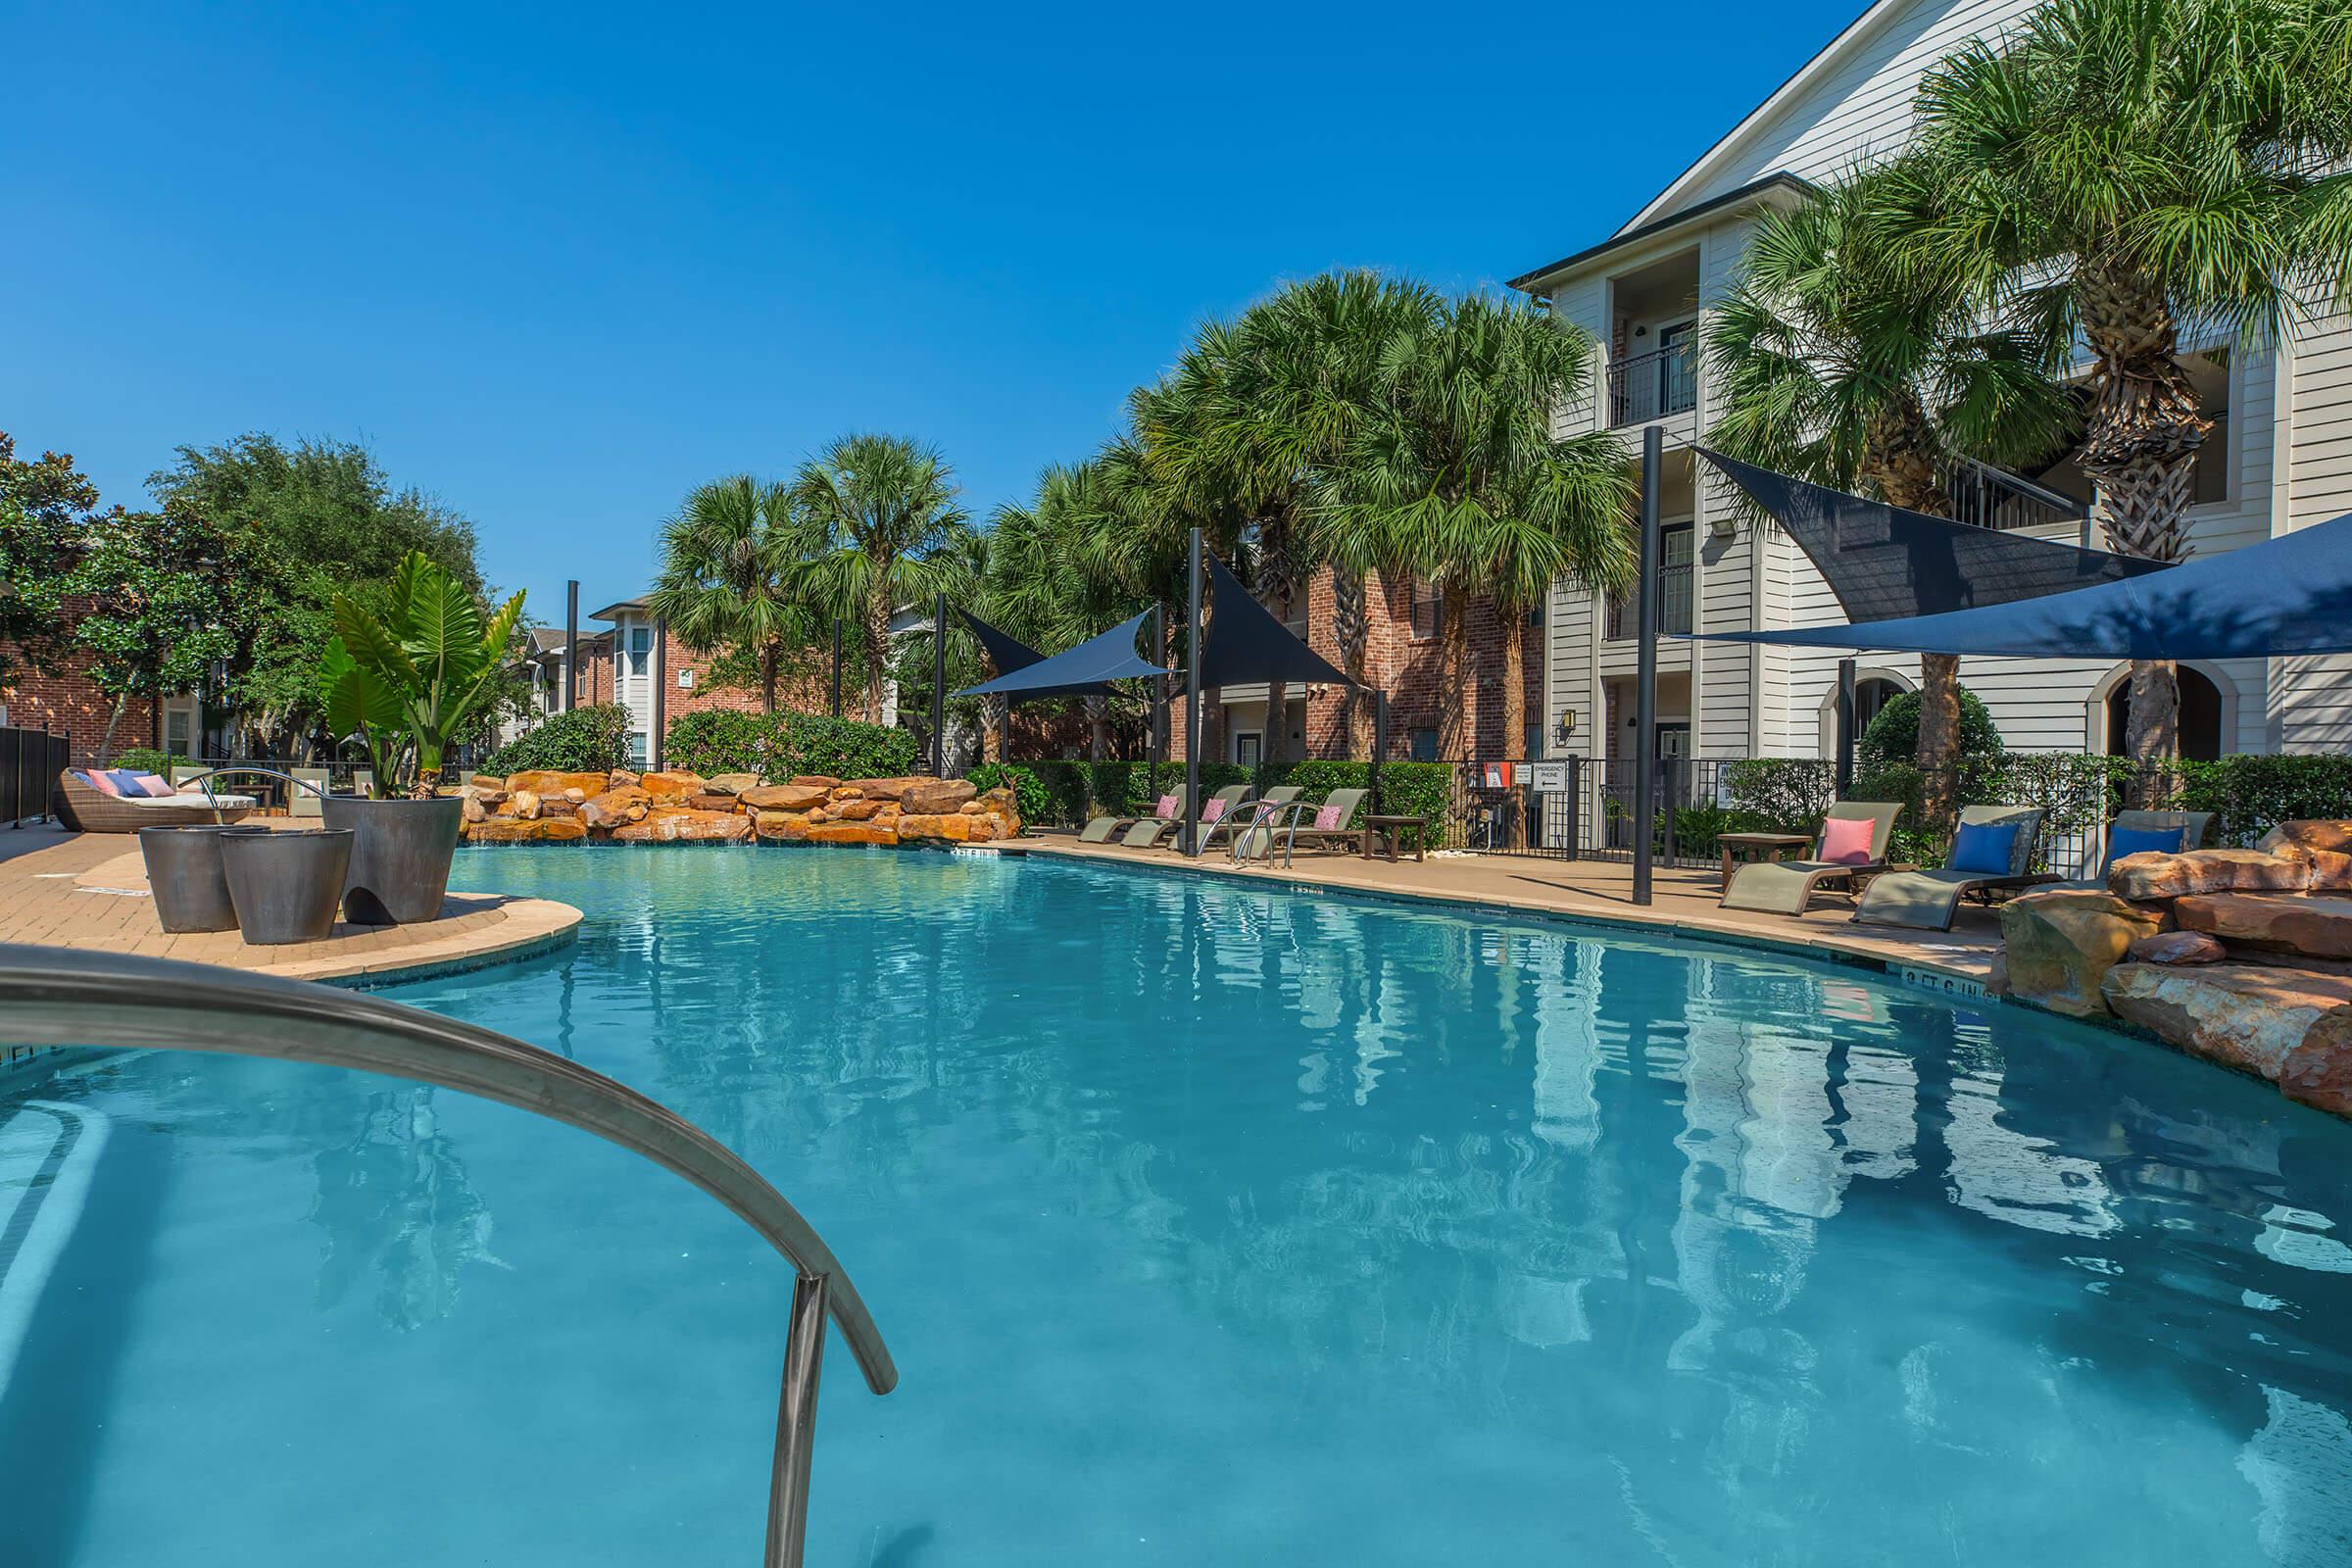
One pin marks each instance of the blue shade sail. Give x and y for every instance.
(1883, 562)
(1080, 671)
(1246, 643)
(1006, 652)
(2284, 596)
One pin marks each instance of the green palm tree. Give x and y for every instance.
(1454, 475)
(730, 576)
(884, 529)
(2120, 167)
(1060, 569)
(1841, 361)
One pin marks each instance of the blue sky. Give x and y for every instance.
(556, 267)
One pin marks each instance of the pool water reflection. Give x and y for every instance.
(1208, 1225)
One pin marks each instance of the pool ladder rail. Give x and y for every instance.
(63, 997)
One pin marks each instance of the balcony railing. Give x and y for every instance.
(1651, 386)
(1674, 605)
(1993, 498)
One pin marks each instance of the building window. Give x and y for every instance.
(1677, 545)
(1248, 747)
(1429, 611)
(1424, 744)
(637, 750)
(641, 643)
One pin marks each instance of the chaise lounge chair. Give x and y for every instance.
(2190, 830)
(1927, 900)
(1300, 824)
(1152, 831)
(85, 809)
(1787, 887)
(1238, 823)
(1102, 829)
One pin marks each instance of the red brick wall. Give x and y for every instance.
(809, 693)
(66, 700)
(1410, 670)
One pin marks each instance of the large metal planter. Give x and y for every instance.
(286, 886)
(400, 857)
(184, 872)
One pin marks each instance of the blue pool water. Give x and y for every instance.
(1209, 1225)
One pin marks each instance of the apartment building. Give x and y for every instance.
(2279, 457)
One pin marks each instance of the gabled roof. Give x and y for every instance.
(1831, 57)
(1777, 184)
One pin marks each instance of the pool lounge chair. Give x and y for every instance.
(1102, 829)
(1927, 900)
(85, 809)
(1787, 887)
(2196, 830)
(1248, 815)
(1300, 824)
(1153, 831)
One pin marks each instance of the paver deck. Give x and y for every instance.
(1684, 902)
(89, 890)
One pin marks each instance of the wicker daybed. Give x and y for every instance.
(86, 808)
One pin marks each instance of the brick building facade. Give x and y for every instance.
(65, 701)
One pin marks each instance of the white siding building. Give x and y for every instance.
(2279, 457)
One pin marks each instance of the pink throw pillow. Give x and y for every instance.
(1214, 809)
(97, 779)
(1846, 840)
(1167, 807)
(154, 786)
(1327, 819)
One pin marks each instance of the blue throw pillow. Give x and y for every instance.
(2125, 841)
(1984, 849)
(128, 782)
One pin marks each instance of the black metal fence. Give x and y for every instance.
(30, 761)
(1582, 809)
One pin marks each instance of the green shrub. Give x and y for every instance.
(1031, 796)
(586, 739)
(1893, 736)
(784, 744)
(1781, 794)
(2254, 794)
(147, 760)
(1407, 789)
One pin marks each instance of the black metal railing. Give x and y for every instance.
(1654, 385)
(1676, 597)
(1993, 498)
(30, 761)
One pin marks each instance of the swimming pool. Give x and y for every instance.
(1207, 1224)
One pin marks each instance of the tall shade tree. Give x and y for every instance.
(1837, 358)
(1058, 571)
(884, 521)
(1256, 412)
(169, 595)
(2123, 166)
(730, 579)
(1455, 476)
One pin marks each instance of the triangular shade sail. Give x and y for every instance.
(1246, 643)
(1007, 653)
(1080, 671)
(2284, 596)
(1883, 562)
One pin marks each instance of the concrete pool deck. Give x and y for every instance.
(1685, 901)
(89, 890)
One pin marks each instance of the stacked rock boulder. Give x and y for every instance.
(681, 808)
(2242, 956)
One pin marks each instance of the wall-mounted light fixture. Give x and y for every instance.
(1567, 721)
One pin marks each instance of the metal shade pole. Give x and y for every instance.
(939, 688)
(1192, 702)
(1645, 668)
(1159, 691)
(1380, 743)
(572, 639)
(660, 738)
(836, 667)
(1845, 728)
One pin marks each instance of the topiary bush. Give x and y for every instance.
(1892, 737)
(586, 739)
(784, 744)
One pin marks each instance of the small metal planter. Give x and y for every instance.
(400, 859)
(184, 872)
(286, 886)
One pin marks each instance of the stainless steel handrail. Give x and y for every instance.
(206, 778)
(67, 996)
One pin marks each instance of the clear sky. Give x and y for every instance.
(557, 264)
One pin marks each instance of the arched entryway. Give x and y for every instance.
(2204, 710)
(1874, 689)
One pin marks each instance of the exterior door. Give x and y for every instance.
(1678, 367)
(1248, 747)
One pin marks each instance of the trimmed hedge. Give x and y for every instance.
(147, 760)
(785, 744)
(586, 739)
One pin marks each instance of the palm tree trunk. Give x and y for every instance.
(991, 728)
(2140, 451)
(877, 645)
(1514, 720)
(1904, 467)
(1351, 621)
(1097, 721)
(1454, 710)
(769, 653)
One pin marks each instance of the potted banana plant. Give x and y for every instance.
(407, 682)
